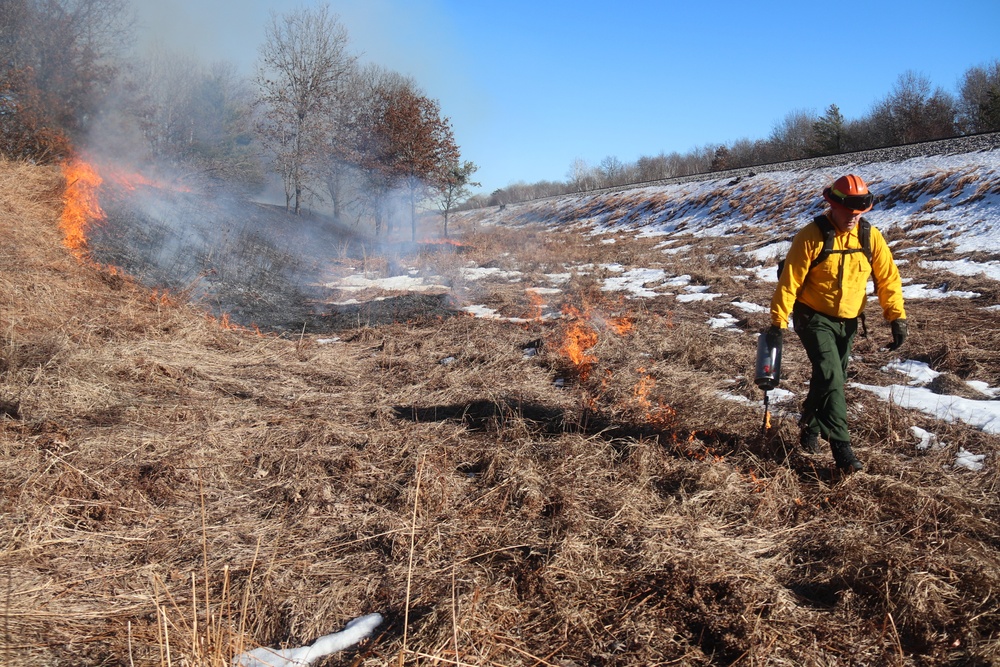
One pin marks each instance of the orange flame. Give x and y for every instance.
(81, 207)
(660, 414)
(537, 304)
(132, 180)
(621, 325)
(440, 241)
(579, 339)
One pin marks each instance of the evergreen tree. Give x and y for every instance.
(828, 132)
(720, 160)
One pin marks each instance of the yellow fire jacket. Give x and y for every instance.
(836, 286)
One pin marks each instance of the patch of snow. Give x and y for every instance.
(748, 307)
(634, 282)
(927, 439)
(352, 633)
(984, 415)
(968, 460)
(921, 291)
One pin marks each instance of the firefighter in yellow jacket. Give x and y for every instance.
(822, 288)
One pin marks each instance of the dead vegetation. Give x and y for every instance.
(174, 492)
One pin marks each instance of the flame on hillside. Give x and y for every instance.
(80, 205)
(659, 414)
(131, 181)
(537, 305)
(621, 325)
(579, 337)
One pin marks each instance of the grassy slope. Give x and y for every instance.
(168, 484)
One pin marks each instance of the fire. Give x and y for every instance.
(81, 207)
(621, 325)
(660, 414)
(579, 338)
(537, 304)
(132, 180)
(440, 241)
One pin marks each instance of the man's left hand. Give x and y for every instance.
(898, 334)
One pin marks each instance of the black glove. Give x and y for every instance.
(898, 334)
(774, 335)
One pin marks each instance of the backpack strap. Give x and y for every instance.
(829, 232)
(825, 226)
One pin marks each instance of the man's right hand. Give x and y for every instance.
(774, 335)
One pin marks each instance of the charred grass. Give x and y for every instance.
(175, 491)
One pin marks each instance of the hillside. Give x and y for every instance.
(577, 475)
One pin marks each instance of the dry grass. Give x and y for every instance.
(174, 491)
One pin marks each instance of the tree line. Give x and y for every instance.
(361, 142)
(913, 110)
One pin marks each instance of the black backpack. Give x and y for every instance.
(825, 226)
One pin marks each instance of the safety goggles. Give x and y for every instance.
(854, 202)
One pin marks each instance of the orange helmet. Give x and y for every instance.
(850, 192)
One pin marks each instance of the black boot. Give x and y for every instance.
(809, 441)
(844, 457)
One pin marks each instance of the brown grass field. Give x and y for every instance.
(174, 492)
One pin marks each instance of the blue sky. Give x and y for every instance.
(532, 86)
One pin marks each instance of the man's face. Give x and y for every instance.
(844, 219)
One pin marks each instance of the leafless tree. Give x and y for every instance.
(612, 171)
(790, 139)
(979, 99)
(653, 168)
(912, 111)
(302, 65)
(582, 176)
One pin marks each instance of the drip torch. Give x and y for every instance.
(768, 373)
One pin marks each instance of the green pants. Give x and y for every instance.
(828, 342)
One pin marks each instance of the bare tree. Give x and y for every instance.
(913, 112)
(653, 168)
(791, 137)
(979, 99)
(302, 65)
(581, 176)
(612, 171)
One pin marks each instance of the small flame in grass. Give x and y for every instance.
(457, 244)
(537, 304)
(621, 325)
(132, 180)
(760, 485)
(80, 208)
(660, 414)
(578, 338)
(225, 323)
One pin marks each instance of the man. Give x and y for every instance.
(822, 287)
